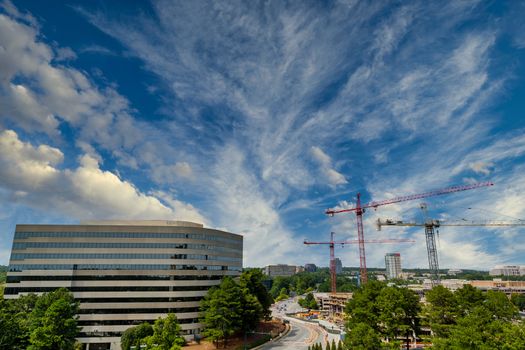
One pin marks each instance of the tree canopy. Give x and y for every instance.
(471, 319)
(378, 312)
(45, 322)
(229, 308)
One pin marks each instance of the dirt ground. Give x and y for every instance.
(273, 327)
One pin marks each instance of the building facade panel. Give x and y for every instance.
(124, 273)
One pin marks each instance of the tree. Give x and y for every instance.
(221, 311)
(363, 307)
(14, 321)
(334, 347)
(467, 298)
(53, 321)
(362, 337)
(252, 280)
(135, 336)
(500, 306)
(441, 310)
(518, 300)
(251, 311)
(399, 309)
(282, 295)
(308, 302)
(480, 330)
(166, 334)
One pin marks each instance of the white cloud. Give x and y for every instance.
(86, 192)
(482, 167)
(329, 175)
(242, 208)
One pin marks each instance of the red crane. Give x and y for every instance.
(332, 244)
(360, 209)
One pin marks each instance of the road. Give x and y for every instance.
(302, 334)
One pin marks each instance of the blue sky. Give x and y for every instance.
(254, 117)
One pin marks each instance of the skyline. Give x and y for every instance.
(255, 117)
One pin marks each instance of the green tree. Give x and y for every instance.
(135, 336)
(518, 300)
(252, 280)
(500, 306)
(282, 295)
(363, 307)
(308, 302)
(399, 309)
(334, 347)
(251, 311)
(14, 321)
(362, 337)
(467, 298)
(340, 345)
(221, 311)
(480, 330)
(53, 321)
(441, 310)
(166, 334)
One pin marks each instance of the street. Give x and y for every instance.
(302, 334)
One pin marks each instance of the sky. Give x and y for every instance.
(254, 117)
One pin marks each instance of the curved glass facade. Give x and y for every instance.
(124, 274)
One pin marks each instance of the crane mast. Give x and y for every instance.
(360, 209)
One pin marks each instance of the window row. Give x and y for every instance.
(25, 245)
(129, 322)
(138, 311)
(138, 300)
(199, 236)
(16, 290)
(18, 279)
(22, 256)
(22, 267)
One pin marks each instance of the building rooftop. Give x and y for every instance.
(141, 223)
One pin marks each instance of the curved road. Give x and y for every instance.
(302, 334)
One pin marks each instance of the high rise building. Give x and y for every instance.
(393, 265)
(338, 266)
(124, 273)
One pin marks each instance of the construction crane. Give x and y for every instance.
(360, 209)
(332, 243)
(431, 224)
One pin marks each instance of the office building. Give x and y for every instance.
(338, 266)
(393, 265)
(124, 273)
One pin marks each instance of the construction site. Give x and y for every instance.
(331, 305)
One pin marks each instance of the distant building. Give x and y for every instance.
(299, 269)
(507, 287)
(280, 270)
(310, 267)
(338, 266)
(454, 272)
(508, 270)
(393, 265)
